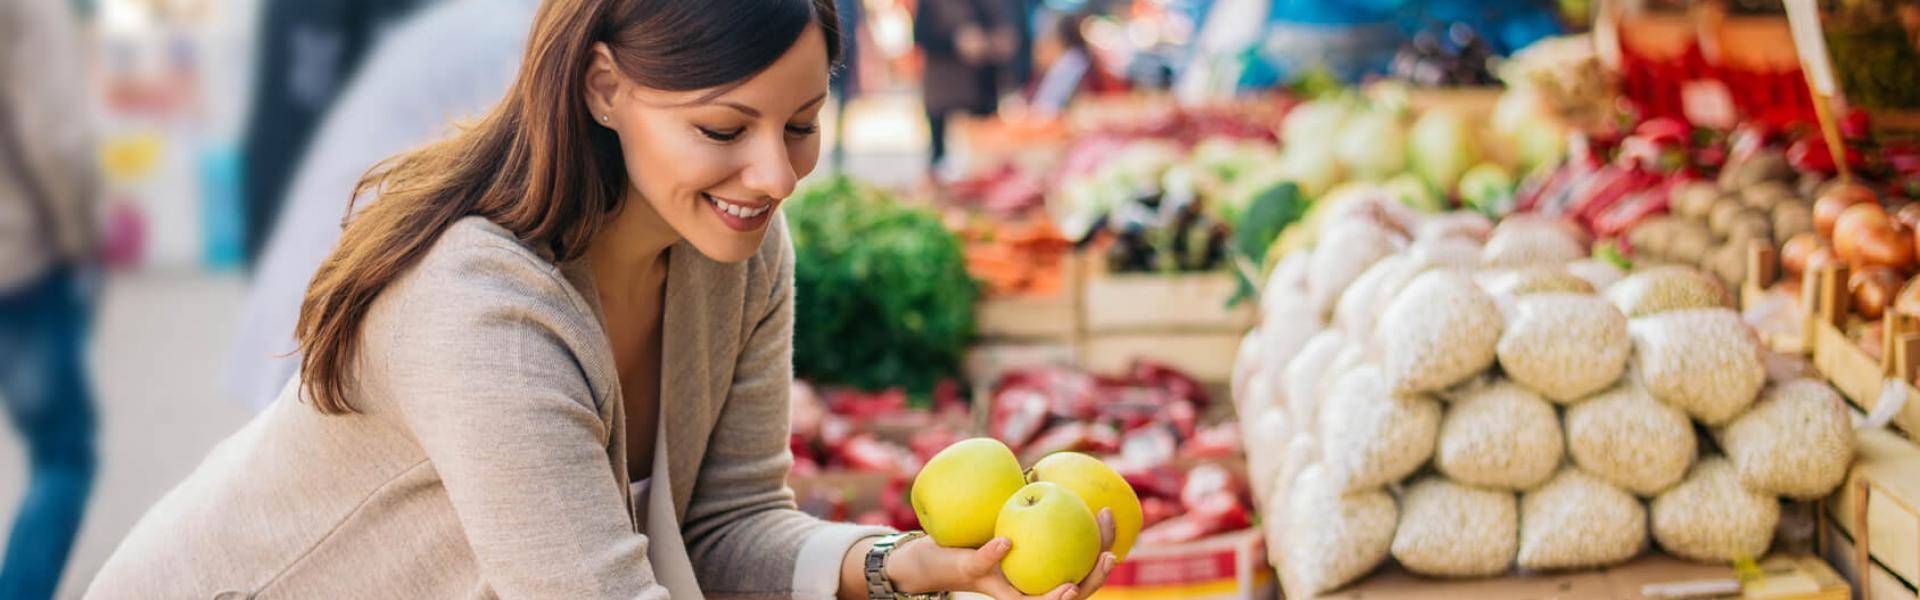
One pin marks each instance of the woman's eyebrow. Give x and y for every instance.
(755, 113)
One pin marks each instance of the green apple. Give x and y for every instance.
(1100, 487)
(1055, 539)
(958, 495)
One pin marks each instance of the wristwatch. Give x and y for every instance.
(879, 586)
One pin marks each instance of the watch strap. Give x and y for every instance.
(879, 586)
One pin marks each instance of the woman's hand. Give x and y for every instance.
(922, 566)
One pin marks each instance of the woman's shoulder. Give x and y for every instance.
(477, 292)
(476, 269)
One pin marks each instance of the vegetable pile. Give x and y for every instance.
(1145, 424)
(1562, 406)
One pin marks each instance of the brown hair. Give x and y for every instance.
(535, 164)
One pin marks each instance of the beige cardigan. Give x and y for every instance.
(489, 454)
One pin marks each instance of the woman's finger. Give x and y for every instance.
(1066, 591)
(1098, 577)
(986, 560)
(1106, 529)
(994, 584)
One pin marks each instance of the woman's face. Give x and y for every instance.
(717, 169)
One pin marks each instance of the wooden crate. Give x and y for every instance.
(1180, 319)
(1135, 302)
(1034, 317)
(1763, 286)
(1207, 357)
(1877, 584)
(1622, 582)
(1856, 373)
(1878, 508)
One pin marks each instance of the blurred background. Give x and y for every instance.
(174, 170)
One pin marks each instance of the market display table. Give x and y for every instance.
(1802, 577)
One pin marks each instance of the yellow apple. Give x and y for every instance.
(1055, 538)
(958, 495)
(1100, 487)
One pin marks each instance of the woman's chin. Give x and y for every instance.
(727, 246)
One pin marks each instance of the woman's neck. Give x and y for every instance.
(630, 254)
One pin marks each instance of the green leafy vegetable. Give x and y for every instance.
(1270, 213)
(882, 294)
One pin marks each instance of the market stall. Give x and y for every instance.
(1583, 334)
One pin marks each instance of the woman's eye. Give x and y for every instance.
(804, 130)
(721, 136)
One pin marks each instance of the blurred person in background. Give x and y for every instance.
(553, 359)
(451, 61)
(846, 80)
(49, 187)
(1072, 68)
(966, 44)
(308, 50)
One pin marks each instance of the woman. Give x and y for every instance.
(589, 287)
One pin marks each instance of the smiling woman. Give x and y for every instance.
(551, 358)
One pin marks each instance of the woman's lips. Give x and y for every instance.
(741, 216)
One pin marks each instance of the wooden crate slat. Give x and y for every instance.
(1205, 356)
(1886, 479)
(1149, 301)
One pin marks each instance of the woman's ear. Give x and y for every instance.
(603, 84)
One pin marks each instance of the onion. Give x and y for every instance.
(1908, 214)
(1794, 254)
(1908, 302)
(1865, 236)
(1838, 197)
(1874, 288)
(1822, 258)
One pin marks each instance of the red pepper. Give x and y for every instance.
(1856, 125)
(1609, 187)
(1664, 131)
(1155, 510)
(1219, 441)
(1018, 414)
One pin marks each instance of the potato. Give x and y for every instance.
(1792, 218)
(1694, 200)
(1725, 211)
(1749, 224)
(1728, 263)
(1690, 243)
(1768, 165)
(1767, 195)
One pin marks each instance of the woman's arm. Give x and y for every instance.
(474, 353)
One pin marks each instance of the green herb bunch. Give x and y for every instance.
(883, 298)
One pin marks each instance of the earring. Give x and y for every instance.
(604, 118)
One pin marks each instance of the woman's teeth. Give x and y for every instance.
(735, 209)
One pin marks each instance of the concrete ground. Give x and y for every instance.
(162, 339)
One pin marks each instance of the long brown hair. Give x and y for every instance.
(536, 164)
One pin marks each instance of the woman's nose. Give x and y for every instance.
(770, 173)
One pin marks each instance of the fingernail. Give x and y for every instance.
(1073, 592)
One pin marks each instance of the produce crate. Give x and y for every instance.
(1877, 513)
(1031, 317)
(1763, 286)
(1802, 577)
(1226, 566)
(1123, 302)
(1178, 319)
(1854, 371)
(1879, 584)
